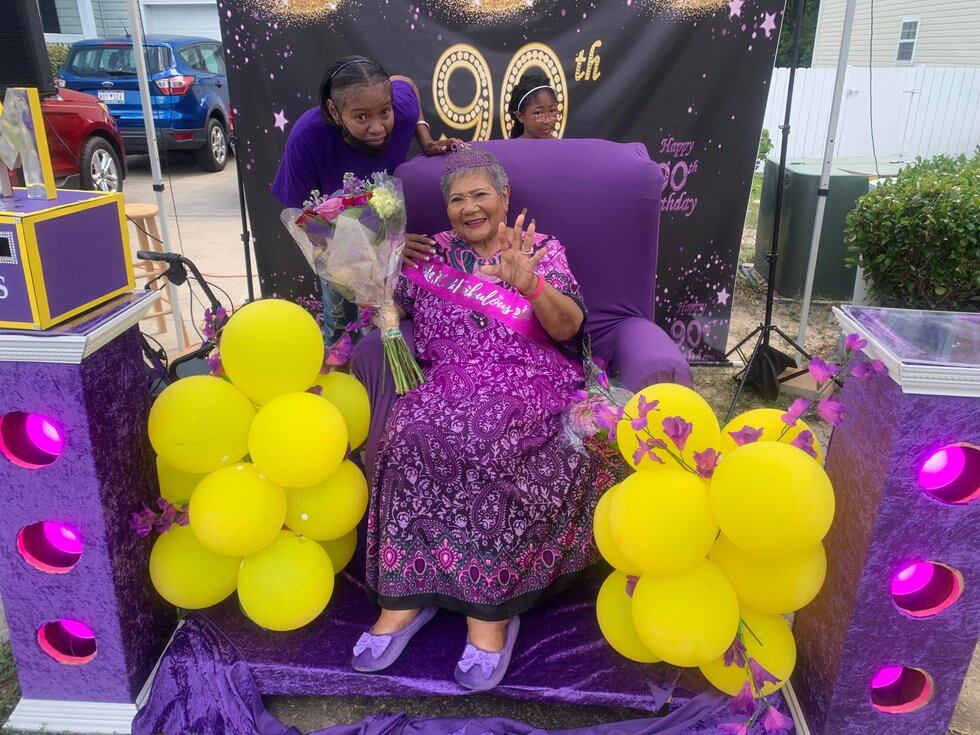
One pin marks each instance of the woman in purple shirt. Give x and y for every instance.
(365, 122)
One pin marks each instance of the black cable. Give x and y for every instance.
(173, 201)
(231, 301)
(871, 106)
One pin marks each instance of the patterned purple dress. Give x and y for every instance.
(478, 505)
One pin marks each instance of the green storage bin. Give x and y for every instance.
(848, 180)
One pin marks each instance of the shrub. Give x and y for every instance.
(916, 237)
(765, 145)
(57, 54)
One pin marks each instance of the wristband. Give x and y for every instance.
(538, 289)
(422, 122)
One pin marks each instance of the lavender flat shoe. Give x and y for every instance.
(479, 670)
(376, 652)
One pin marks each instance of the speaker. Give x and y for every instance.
(24, 61)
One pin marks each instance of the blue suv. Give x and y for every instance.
(188, 92)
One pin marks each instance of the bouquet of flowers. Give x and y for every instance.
(353, 239)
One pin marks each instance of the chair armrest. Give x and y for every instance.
(643, 354)
(369, 366)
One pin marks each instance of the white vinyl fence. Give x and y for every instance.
(918, 111)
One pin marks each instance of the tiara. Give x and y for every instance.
(466, 158)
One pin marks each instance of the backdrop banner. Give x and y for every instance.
(689, 78)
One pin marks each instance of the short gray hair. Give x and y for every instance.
(493, 171)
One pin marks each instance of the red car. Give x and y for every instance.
(83, 140)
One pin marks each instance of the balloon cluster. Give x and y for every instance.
(713, 538)
(258, 458)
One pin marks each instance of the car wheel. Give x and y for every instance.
(99, 166)
(213, 155)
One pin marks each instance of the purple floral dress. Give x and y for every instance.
(478, 504)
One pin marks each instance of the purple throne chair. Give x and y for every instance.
(602, 201)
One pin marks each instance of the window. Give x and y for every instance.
(213, 62)
(907, 37)
(114, 60)
(49, 16)
(192, 55)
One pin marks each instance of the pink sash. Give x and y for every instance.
(493, 301)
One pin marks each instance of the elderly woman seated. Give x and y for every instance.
(478, 504)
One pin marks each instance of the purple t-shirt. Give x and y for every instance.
(317, 157)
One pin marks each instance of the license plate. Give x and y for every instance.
(112, 97)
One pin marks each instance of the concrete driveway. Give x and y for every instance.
(205, 225)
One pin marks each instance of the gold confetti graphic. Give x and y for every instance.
(685, 8)
(300, 10)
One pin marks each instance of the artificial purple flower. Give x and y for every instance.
(677, 430)
(743, 703)
(775, 722)
(796, 409)
(760, 677)
(316, 390)
(579, 396)
(854, 341)
(831, 410)
(868, 369)
(214, 364)
(746, 435)
(736, 654)
(646, 448)
(142, 522)
(821, 371)
(340, 351)
(804, 440)
(706, 462)
(643, 407)
(363, 321)
(602, 379)
(166, 518)
(184, 518)
(608, 419)
(631, 583)
(734, 728)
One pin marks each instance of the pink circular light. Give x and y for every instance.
(899, 690)
(67, 641)
(77, 628)
(912, 578)
(50, 546)
(951, 474)
(30, 440)
(886, 676)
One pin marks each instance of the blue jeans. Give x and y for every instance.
(337, 313)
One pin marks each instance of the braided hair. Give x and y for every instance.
(346, 73)
(520, 99)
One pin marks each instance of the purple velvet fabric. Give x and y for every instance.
(602, 201)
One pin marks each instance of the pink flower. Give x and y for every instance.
(214, 364)
(631, 583)
(736, 654)
(646, 447)
(734, 728)
(867, 369)
(831, 410)
(677, 430)
(643, 408)
(602, 379)
(706, 462)
(746, 435)
(143, 521)
(804, 441)
(854, 341)
(760, 677)
(743, 703)
(821, 371)
(329, 209)
(776, 723)
(796, 409)
(608, 418)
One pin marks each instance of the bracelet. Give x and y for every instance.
(423, 122)
(538, 289)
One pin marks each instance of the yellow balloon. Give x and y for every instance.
(769, 641)
(686, 619)
(672, 401)
(771, 500)
(298, 439)
(200, 424)
(661, 521)
(176, 486)
(329, 509)
(237, 510)
(188, 575)
(341, 550)
(271, 347)
(350, 397)
(613, 609)
(603, 536)
(287, 584)
(767, 419)
(771, 585)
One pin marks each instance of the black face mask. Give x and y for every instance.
(360, 146)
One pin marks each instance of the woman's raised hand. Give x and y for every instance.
(518, 260)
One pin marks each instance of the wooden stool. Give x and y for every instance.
(144, 217)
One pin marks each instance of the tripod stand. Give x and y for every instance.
(764, 366)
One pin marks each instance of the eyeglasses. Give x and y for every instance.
(542, 116)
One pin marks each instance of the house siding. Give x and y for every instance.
(949, 32)
(111, 17)
(68, 19)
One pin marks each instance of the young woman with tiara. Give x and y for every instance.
(365, 122)
(534, 108)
